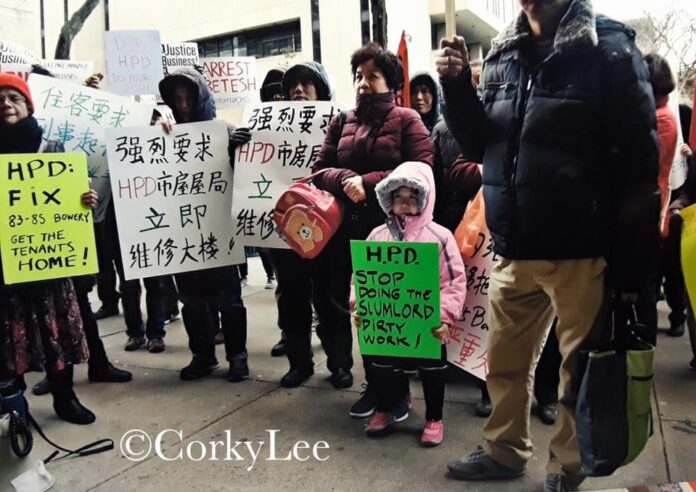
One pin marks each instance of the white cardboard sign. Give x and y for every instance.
(172, 197)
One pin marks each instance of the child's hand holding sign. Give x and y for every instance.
(441, 333)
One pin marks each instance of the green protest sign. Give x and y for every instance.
(45, 231)
(397, 294)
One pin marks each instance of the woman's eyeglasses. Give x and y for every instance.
(13, 98)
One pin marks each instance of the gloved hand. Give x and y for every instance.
(240, 136)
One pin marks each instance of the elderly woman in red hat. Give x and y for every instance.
(40, 323)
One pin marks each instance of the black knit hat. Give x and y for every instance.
(272, 84)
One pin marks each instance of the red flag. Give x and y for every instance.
(404, 99)
(692, 137)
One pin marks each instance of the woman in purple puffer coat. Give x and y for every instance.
(361, 149)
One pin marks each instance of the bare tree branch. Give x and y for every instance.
(673, 34)
(72, 27)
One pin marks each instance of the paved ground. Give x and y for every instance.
(211, 409)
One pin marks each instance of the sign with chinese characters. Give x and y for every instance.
(70, 70)
(172, 195)
(468, 345)
(397, 298)
(232, 80)
(76, 116)
(286, 139)
(177, 55)
(45, 231)
(134, 61)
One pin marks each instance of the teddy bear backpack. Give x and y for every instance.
(307, 217)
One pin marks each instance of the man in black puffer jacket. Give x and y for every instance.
(564, 123)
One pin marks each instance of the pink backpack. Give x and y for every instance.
(307, 217)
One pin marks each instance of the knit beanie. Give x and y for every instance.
(17, 83)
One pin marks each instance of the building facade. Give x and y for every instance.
(276, 32)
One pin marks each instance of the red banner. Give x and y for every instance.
(402, 52)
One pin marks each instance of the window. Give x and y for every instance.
(437, 31)
(316, 36)
(262, 42)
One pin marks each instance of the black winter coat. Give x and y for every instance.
(569, 146)
(457, 180)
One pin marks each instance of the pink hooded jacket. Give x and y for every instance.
(422, 229)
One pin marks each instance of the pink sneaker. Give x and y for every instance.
(433, 433)
(380, 422)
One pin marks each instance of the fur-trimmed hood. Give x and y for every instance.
(415, 175)
(422, 229)
(577, 28)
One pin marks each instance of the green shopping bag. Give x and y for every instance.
(613, 413)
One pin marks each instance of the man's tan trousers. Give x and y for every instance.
(525, 295)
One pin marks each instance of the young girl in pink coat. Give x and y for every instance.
(407, 196)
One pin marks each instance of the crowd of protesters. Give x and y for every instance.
(567, 131)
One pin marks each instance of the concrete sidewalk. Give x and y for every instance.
(212, 409)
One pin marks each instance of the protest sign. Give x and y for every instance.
(287, 137)
(397, 295)
(134, 61)
(468, 346)
(172, 196)
(677, 175)
(13, 53)
(177, 55)
(688, 251)
(76, 116)
(165, 112)
(71, 70)
(232, 80)
(45, 231)
(22, 70)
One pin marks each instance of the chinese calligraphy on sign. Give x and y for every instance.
(172, 197)
(468, 346)
(77, 116)
(287, 138)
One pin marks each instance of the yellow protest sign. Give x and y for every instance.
(688, 251)
(45, 231)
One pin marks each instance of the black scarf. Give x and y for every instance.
(23, 137)
(430, 118)
(373, 108)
